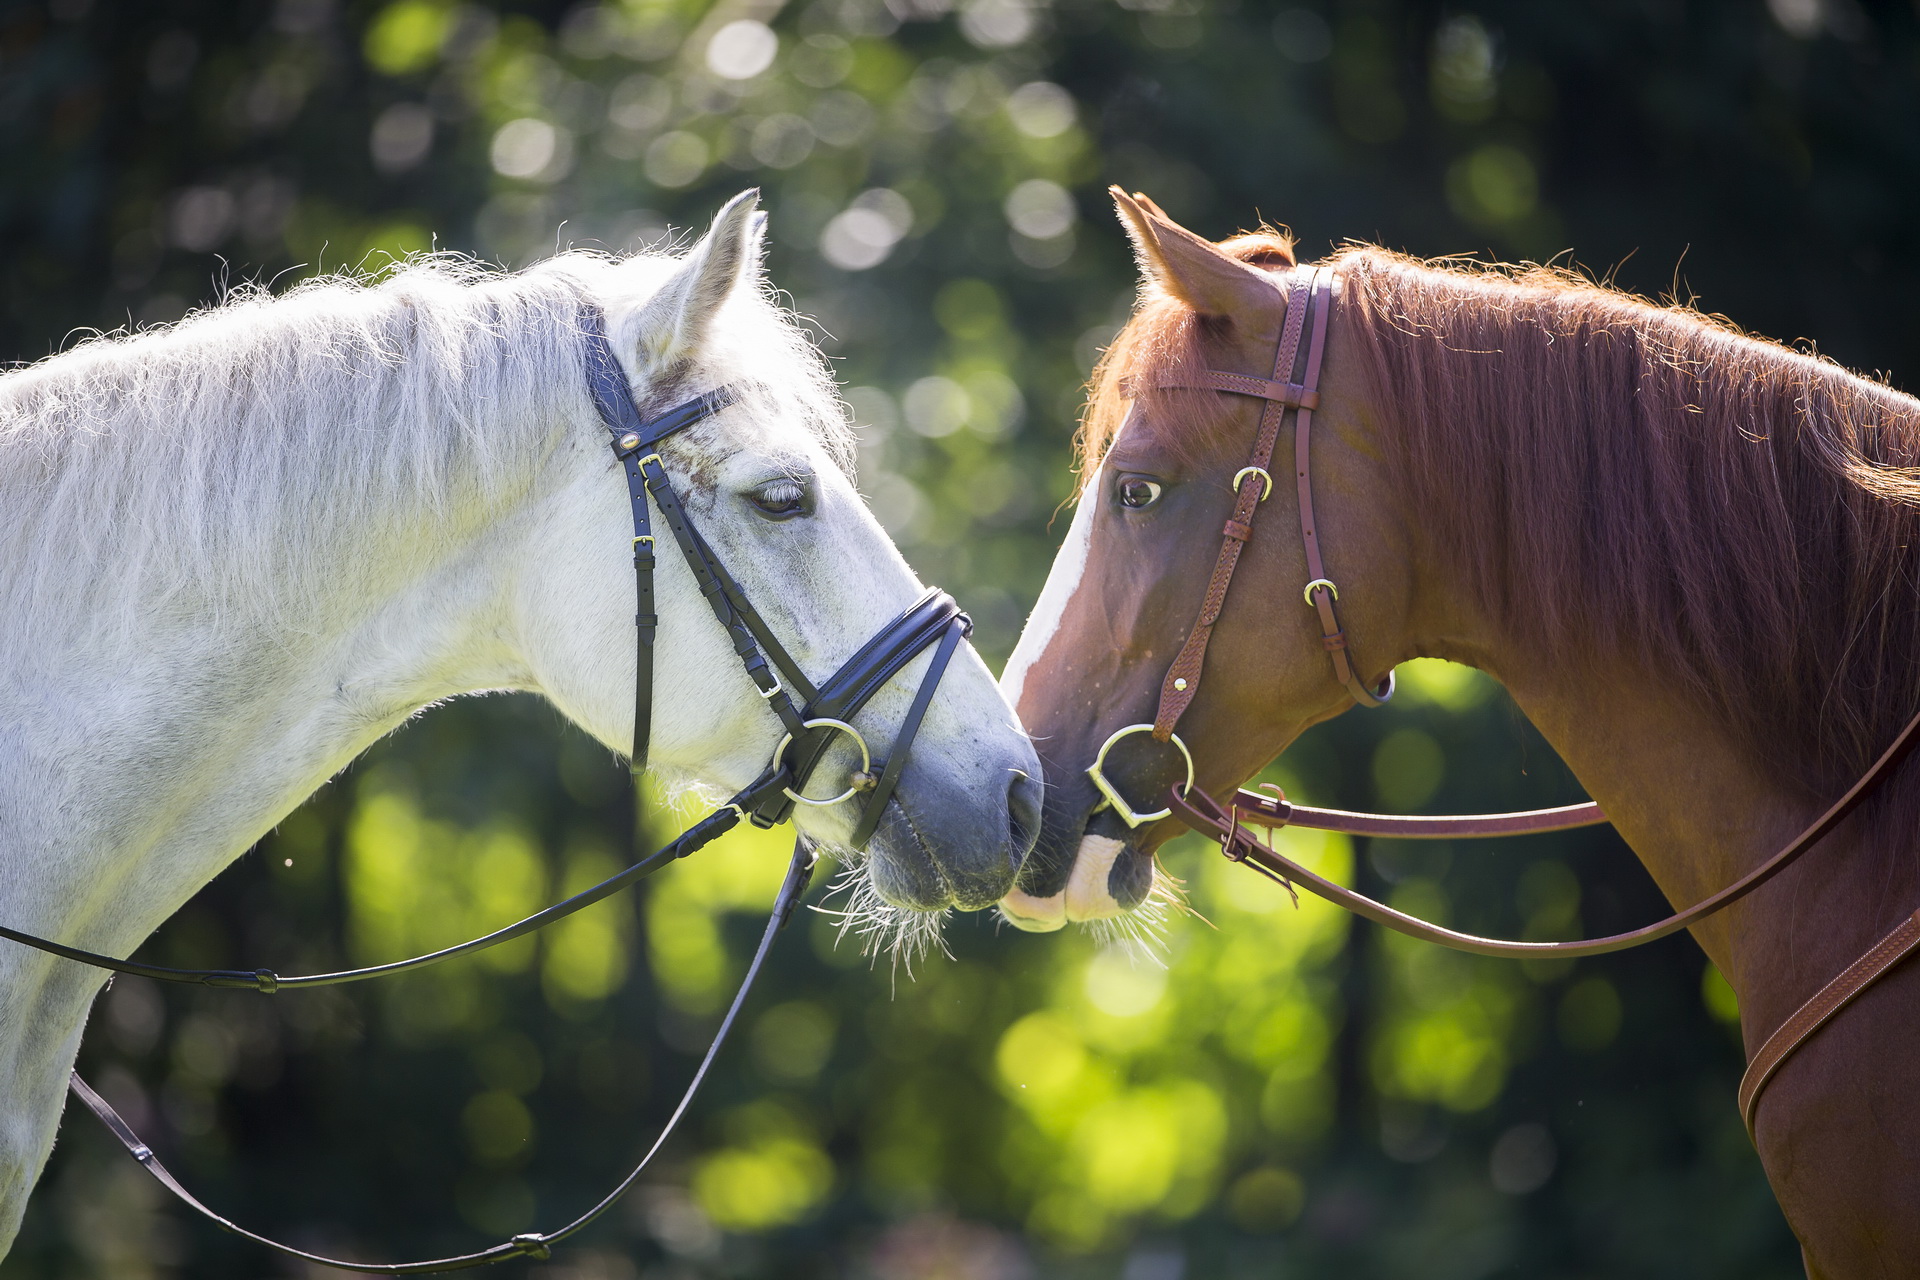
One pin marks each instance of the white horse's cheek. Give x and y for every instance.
(1062, 581)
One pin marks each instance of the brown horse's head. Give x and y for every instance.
(1158, 470)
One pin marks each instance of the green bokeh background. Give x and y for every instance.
(1274, 1092)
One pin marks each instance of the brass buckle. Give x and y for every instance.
(1264, 475)
(824, 722)
(1120, 806)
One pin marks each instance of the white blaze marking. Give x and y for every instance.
(1062, 581)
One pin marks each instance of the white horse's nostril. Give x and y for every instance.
(1087, 895)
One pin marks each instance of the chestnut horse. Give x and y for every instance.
(1686, 552)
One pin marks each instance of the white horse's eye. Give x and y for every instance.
(780, 499)
(1136, 492)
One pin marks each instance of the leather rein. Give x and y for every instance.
(820, 714)
(1294, 388)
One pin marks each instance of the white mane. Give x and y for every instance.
(209, 465)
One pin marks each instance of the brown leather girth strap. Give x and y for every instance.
(1821, 1009)
(1204, 814)
(1182, 680)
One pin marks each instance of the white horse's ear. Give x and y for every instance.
(1189, 267)
(671, 325)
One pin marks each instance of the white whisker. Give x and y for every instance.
(902, 934)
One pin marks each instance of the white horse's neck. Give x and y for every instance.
(231, 558)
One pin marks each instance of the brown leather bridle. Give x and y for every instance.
(1294, 388)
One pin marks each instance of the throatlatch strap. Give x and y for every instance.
(646, 623)
(1320, 591)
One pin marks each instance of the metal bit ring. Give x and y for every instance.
(825, 722)
(1120, 806)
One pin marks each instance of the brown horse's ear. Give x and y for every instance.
(1189, 267)
(1137, 219)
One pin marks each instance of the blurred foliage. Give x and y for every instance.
(1279, 1093)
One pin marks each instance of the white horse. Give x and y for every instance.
(236, 552)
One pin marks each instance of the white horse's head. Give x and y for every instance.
(768, 483)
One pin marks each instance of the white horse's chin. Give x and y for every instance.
(1086, 896)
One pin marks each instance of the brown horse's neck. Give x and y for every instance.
(1683, 782)
(1698, 814)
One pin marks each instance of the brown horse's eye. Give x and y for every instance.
(1135, 493)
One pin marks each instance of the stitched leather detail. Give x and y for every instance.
(1291, 394)
(1817, 1012)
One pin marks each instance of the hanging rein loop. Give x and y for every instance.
(934, 621)
(531, 1244)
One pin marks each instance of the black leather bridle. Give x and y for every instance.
(821, 714)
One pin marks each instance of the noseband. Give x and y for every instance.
(822, 713)
(1295, 387)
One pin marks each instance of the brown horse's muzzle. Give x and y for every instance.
(1089, 863)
